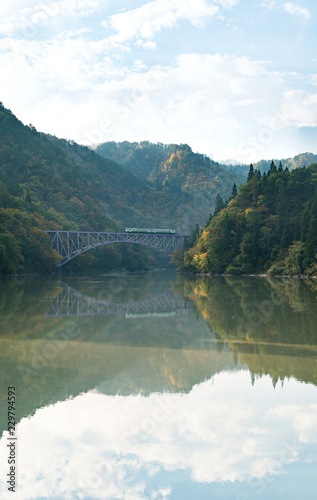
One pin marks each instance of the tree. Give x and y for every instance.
(251, 173)
(234, 191)
(194, 236)
(273, 168)
(219, 205)
(280, 167)
(10, 256)
(27, 197)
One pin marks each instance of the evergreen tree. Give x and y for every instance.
(251, 173)
(287, 236)
(194, 236)
(234, 191)
(280, 167)
(27, 197)
(311, 238)
(219, 204)
(208, 221)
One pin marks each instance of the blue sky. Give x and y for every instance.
(232, 78)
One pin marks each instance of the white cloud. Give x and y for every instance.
(228, 3)
(300, 108)
(146, 45)
(269, 4)
(146, 21)
(296, 10)
(213, 102)
(35, 15)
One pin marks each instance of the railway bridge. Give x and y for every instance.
(70, 244)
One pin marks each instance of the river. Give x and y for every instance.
(159, 386)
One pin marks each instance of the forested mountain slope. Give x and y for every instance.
(301, 160)
(177, 168)
(75, 181)
(270, 226)
(48, 183)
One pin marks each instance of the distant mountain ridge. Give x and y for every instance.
(177, 167)
(156, 161)
(300, 160)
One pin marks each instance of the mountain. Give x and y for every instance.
(177, 167)
(230, 163)
(300, 160)
(91, 191)
(50, 183)
(270, 226)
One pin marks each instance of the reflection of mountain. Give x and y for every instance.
(269, 324)
(50, 359)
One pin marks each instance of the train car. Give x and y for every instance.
(149, 231)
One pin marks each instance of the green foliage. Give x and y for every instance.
(219, 205)
(47, 183)
(251, 172)
(270, 226)
(234, 191)
(10, 255)
(186, 178)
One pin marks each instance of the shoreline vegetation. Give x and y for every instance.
(269, 227)
(259, 275)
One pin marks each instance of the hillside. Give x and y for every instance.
(51, 183)
(300, 160)
(48, 183)
(76, 182)
(270, 226)
(177, 168)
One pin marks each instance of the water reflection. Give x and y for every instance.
(215, 400)
(269, 324)
(70, 302)
(225, 433)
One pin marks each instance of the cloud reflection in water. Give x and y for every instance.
(224, 430)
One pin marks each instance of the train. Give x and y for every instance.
(149, 231)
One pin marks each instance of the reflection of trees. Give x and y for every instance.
(270, 324)
(111, 352)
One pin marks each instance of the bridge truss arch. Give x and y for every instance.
(70, 244)
(70, 302)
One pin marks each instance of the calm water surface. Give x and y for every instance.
(160, 386)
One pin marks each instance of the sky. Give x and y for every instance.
(234, 79)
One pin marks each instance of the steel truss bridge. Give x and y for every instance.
(70, 302)
(69, 244)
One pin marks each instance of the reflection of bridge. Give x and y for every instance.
(69, 244)
(70, 302)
